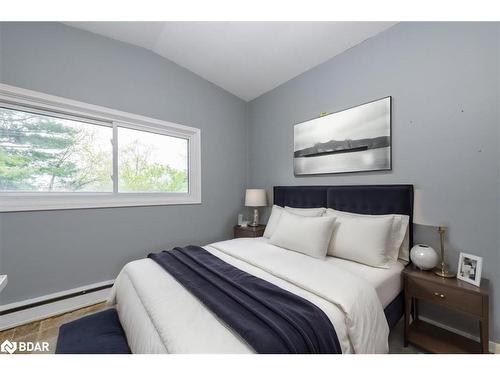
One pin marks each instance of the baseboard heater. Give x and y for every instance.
(54, 299)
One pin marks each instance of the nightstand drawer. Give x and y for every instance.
(240, 232)
(243, 234)
(458, 299)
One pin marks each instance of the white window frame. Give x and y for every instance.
(14, 97)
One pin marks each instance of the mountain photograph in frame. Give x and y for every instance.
(357, 139)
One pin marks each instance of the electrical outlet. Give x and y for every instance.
(3, 281)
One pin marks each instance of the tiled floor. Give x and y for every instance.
(48, 329)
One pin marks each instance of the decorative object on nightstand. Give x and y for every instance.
(240, 220)
(443, 270)
(470, 268)
(248, 231)
(255, 198)
(454, 294)
(424, 257)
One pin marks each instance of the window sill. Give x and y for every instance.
(70, 201)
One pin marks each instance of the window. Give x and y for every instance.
(57, 154)
(149, 162)
(40, 153)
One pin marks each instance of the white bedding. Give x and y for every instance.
(388, 283)
(160, 316)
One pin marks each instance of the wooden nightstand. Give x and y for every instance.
(249, 231)
(453, 294)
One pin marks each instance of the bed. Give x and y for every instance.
(363, 303)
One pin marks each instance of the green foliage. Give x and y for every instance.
(139, 174)
(32, 146)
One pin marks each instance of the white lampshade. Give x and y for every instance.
(421, 216)
(255, 198)
(418, 215)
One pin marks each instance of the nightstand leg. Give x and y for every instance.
(407, 319)
(415, 309)
(485, 345)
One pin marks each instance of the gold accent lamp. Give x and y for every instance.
(443, 270)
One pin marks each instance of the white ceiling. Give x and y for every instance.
(245, 58)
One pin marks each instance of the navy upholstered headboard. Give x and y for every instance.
(361, 199)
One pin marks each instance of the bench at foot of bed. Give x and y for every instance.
(99, 333)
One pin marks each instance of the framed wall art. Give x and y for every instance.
(357, 139)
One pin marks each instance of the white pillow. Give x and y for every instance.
(400, 243)
(311, 212)
(362, 239)
(276, 214)
(306, 235)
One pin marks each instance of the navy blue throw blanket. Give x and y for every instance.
(268, 318)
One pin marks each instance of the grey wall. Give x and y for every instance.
(443, 78)
(45, 252)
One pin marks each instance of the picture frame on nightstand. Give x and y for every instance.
(470, 268)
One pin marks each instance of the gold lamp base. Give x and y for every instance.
(443, 272)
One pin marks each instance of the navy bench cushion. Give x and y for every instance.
(99, 333)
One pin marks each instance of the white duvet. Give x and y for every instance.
(160, 316)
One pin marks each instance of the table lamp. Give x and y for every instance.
(255, 198)
(442, 270)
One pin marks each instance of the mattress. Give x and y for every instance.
(387, 282)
